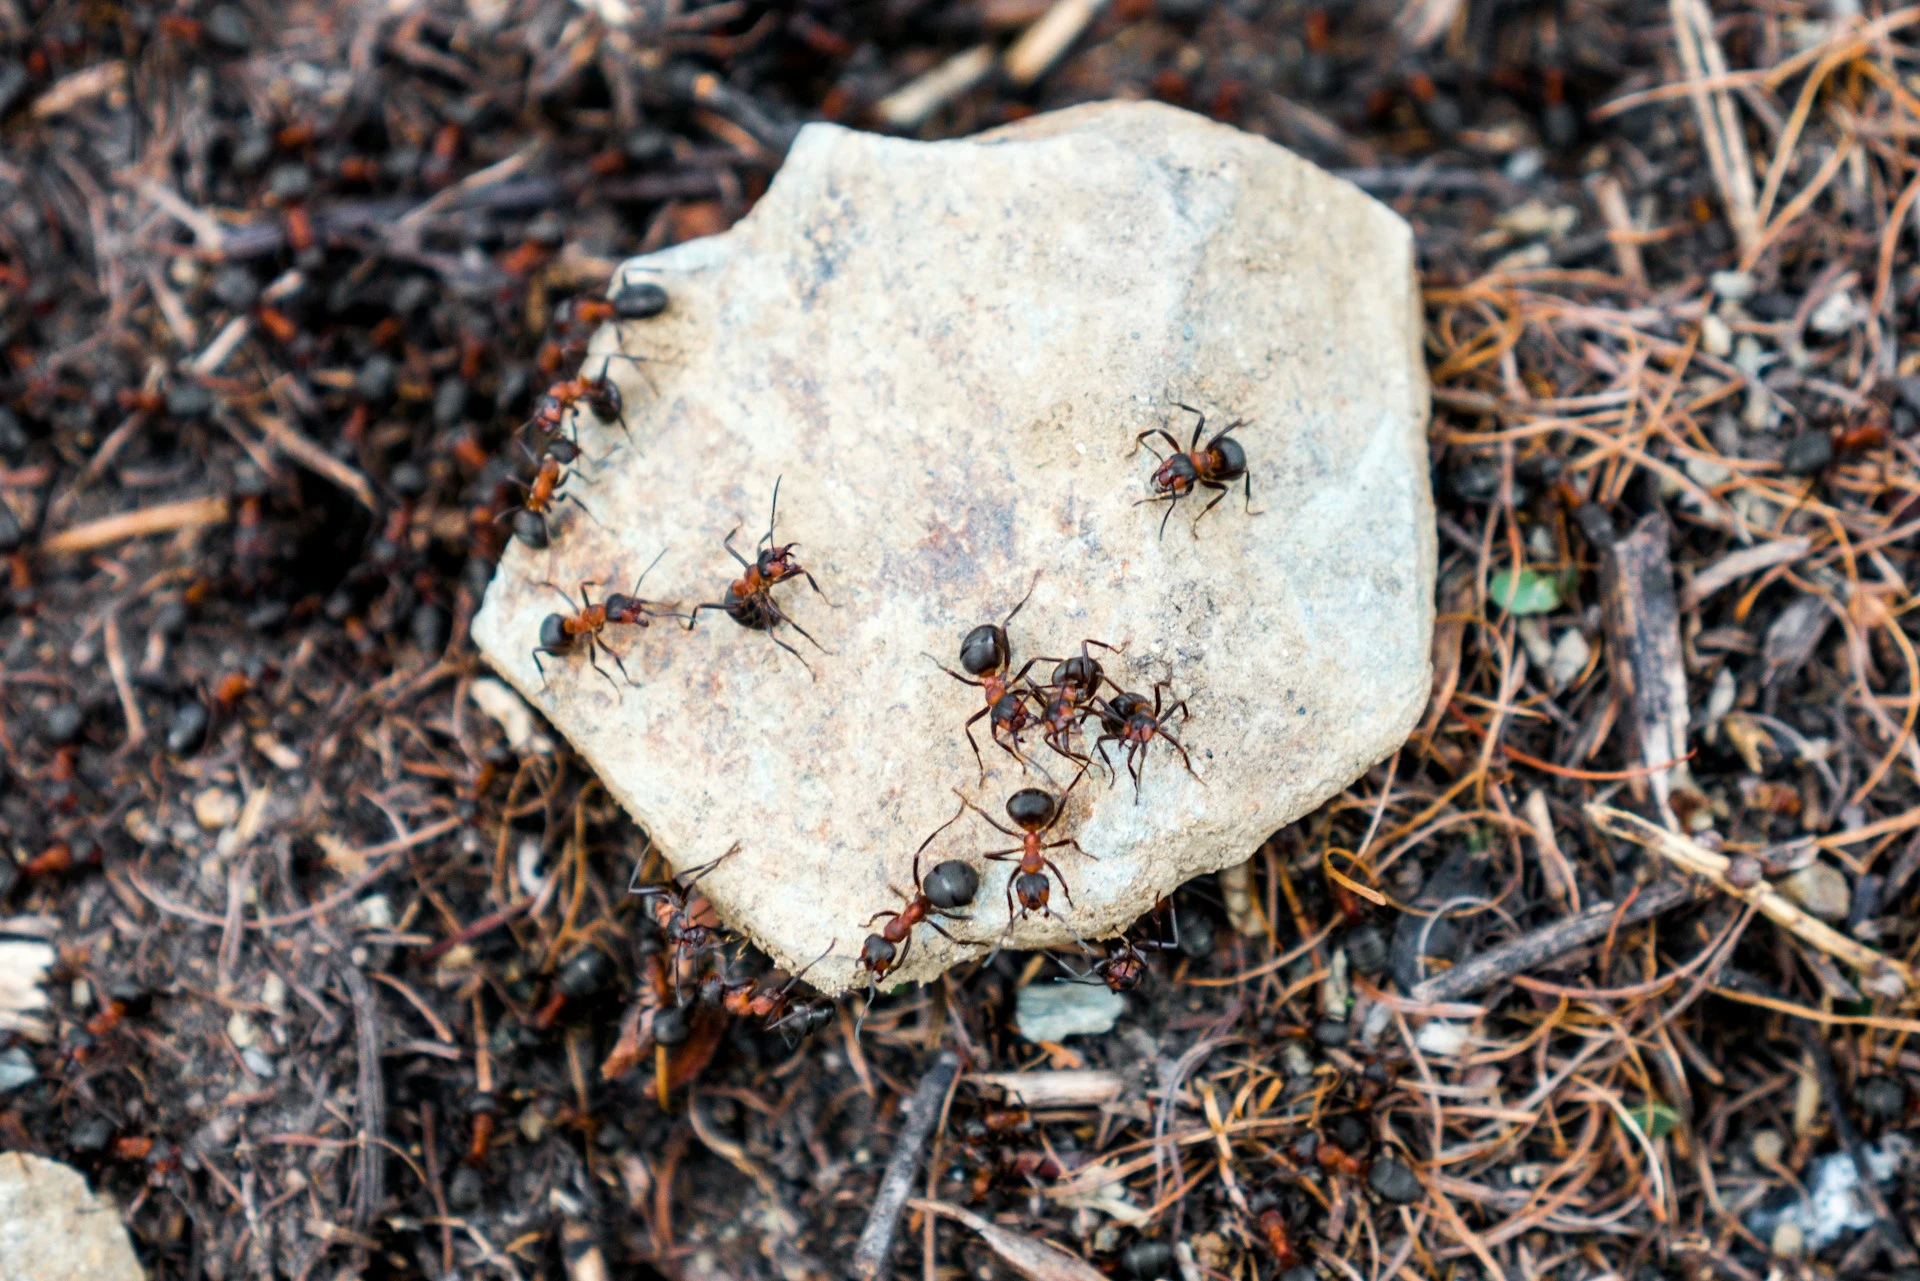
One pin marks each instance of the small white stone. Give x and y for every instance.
(1836, 314)
(215, 808)
(1056, 1011)
(241, 1030)
(375, 912)
(273, 992)
(1442, 1038)
(1821, 888)
(1716, 337)
(1737, 286)
(1708, 472)
(1788, 1240)
(1767, 1147)
(1570, 654)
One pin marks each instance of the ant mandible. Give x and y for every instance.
(1215, 466)
(949, 885)
(1127, 721)
(1068, 698)
(986, 653)
(560, 633)
(1034, 812)
(749, 600)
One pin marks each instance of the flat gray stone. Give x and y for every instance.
(1056, 1011)
(947, 351)
(53, 1229)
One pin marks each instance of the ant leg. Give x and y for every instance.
(786, 618)
(695, 615)
(1065, 892)
(773, 513)
(1224, 491)
(1153, 431)
(1069, 843)
(883, 912)
(1100, 746)
(1198, 427)
(1134, 759)
(816, 589)
(1184, 758)
(539, 666)
(949, 671)
(935, 926)
(974, 744)
(1248, 477)
(796, 653)
(617, 663)
(930, 835)
(593, 649)
(991, 822)
(569, 498)
(548, 582)
(1171, 504)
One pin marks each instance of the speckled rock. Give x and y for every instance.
(947, 351)
(53, 1229)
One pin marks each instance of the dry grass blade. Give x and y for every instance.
(1719, 119)
(1034, 1260)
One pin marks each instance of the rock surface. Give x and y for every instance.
(947, 351)
(53, 1229)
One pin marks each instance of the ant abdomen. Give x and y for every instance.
(553, 632)
(983, 650)
(1030, 808)
(951, 884)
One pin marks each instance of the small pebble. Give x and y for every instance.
(13, 436)
(235, 288)
(1056, 1011)
(1884, 1098)
(428, 627)
(450, 402)
(188, 728)
(16, 1069)
(1767, 1146)
(1743, 871)
(412, 294)
(1349, 1133)
(1821, 888)
(1808, 453)
(91, 1135)
(188, 400)
(1394, 1182)
(377, 377)
(1366, 947)
(215, 809)
(258, 1062)
(62, 724)
(1332, 1032)
(227, 27)
(466, 1188)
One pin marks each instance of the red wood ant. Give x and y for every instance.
(532, 520)
(749, 600)
(560, 633)
(1127, 721)
(1034, 812)
(1068, 698)
(676, 911)
(597, 393)
(951, 884)
(750, 999)
(1122, 968)
(1215, 466)
(986, 653)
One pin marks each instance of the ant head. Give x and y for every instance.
(951, 884)
(876, 955)
(530, 529)
(1123, 970)
(622, 608)
(1030, 808)
(985, 649)
(1032, 889)
(553, 632)
(775, 563)
(1176, 473)
(1082, 672)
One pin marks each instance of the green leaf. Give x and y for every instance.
(1656, 1120)
(1526, 592)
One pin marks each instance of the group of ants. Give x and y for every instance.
(1014, 704)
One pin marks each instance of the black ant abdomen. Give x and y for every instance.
(531, 528)
(952, 884)
(985, 648)
(1030, 808)
(554, 634)
(639, 300)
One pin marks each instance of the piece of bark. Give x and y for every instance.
(1644, 658)
(896, 1184)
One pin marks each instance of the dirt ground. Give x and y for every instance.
(339, 970)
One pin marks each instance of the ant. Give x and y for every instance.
(1034, 811)
(749, 600)
(1122, 968)
(986, 653)
(746, 998)
(1068, 698)
(949, 885)
(675, 912)
(1215, 466)
(597, 393)
(559, 633)
(532, 520)
(1127, 721)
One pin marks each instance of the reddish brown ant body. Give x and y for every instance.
(676, 911)
(1068, 698)
(748, 998)
(951, 884)
(533, 519)
(1034, 812)
(1216, 465)
(1126, 721)
(560, 633)
(749, 600)
(1010, 709)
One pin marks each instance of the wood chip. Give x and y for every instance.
(167, 518)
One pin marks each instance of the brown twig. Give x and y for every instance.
(896, 1184)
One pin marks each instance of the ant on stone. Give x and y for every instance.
(1034, 812)
(1214, 466)
(951, 884)
(532, 520)
(1127, 721)
(597, 393)
(560, 633)
(1068, 698)
(749, 600)
(986, 653)
(675, 912)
